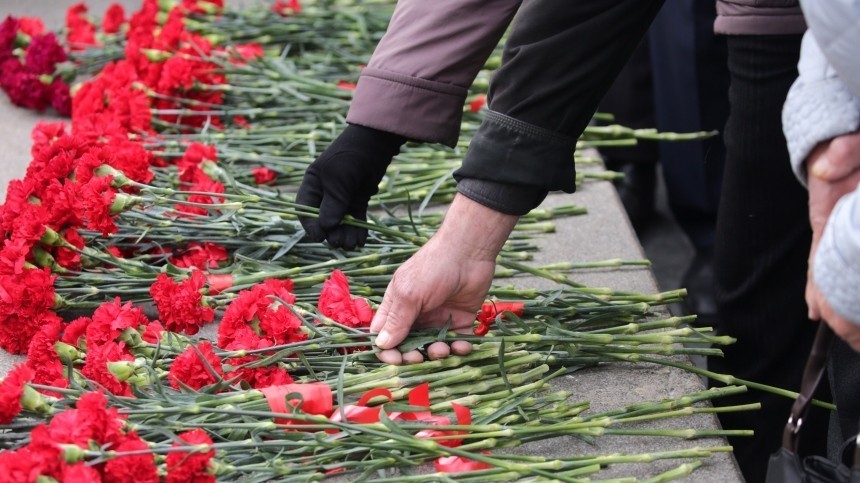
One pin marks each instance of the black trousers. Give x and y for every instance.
(762, 243)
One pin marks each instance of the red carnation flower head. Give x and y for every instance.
(42, 357)
(193, 466)
(264, 175)
(152, 332)
(44, 134)
(113, 19)
(11, 390)
(337, 303)
(66, 257)
(61, 97)
(111, 319)
(190, 369)
(8, 32)
(81, 30)
(256, 318)
(23, 87)
(203, 6)
(181, 307)
(139, 468)
(92, 422)
(13, 255)
(32, 26)
(97, 197)
(202, 257)
(205, 186)
(257, 377)
(96, 366)
(80, 473)
(26, 302)
(190, 161)
(43, 54)
(62, 200)
(287, 8)
(76, 332)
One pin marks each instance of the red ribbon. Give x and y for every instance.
(316, 399)
(458, 464)
(219, 282)
(359, 412)
(464, 418)
(490, 310)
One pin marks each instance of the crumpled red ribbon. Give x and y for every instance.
(359, 412)
(458, 464)
(219, 282)
(489, 311)
(464, 418)
(316, 399)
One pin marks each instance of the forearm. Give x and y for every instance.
(473, 231)
(416, 81)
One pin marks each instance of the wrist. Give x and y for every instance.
(474, 231)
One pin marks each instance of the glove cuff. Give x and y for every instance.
(370, 140)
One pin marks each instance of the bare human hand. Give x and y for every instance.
(845, 329)
(833, 170)
(447, 278)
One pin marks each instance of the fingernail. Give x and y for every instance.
(821, 168)
(382, 339)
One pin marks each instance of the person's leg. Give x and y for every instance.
(762, 242)
(844, 371)
(630, 100)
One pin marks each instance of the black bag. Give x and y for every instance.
(785, 466)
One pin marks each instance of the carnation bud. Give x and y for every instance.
(213, 170)
(167, 5)
(72, 453)
(34, 401)
(68, 353)
(120, 180)
(156, 56)
(46, 79)
(123, 202)
(50, 238)
(123, 370)
(131, 338)
(44, 259)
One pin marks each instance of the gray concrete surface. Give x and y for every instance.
(603, 233)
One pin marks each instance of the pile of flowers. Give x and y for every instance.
(164, 209)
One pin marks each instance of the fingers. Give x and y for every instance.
(310, 194)
(461, 348)
(438, 350)
(839, 160)
(346, 237)
(394, 318)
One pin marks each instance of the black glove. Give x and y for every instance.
(342, 180)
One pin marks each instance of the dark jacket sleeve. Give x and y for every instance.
(416, 81)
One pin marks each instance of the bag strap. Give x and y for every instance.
(812, 375)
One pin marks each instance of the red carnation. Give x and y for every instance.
(189, 369)
(11, 390)
(338, 304)
(183, 467)
(23, 87)
(81, 31)
(190, 161)
(263, 175)
(26, 301)
(206, 186)
(96, 366)
(256, 319)
(44, 134)
(43, 53)
(257, 377)
(31, 222)
(152, 333)
(286, 8)
(110, 319)
(8, 32)
(80, 473)
(43, 358)
(113, 19)
(13, 255)
(97, 197)
(66, 257)
(91, 422)
(180, 305)
(252, 50)
(76, 332)
(61, 97)
(134, 468)
(19, 465)
(31, 26)
(199, 256)
(62, 202)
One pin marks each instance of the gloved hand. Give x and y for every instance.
(342, 180)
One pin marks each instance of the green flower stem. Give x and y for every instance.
(729, 379)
